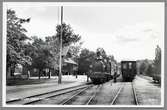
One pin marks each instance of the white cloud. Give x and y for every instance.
(123, 29)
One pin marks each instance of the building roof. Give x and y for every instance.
(70, 61)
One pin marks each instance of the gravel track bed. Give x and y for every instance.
(56, 100)
(107, 93)
(147, 92)
(126, 96)
(83, 98)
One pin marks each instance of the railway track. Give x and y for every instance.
(40, 97)
(90, 100)
(73, 96)
(126, 95)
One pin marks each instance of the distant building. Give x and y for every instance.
(70, 67)
(19, 71)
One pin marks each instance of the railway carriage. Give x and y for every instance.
(128, 70)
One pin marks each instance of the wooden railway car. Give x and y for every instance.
(128, 70)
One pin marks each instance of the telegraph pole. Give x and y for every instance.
(60, 59)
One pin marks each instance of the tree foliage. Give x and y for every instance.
(16, 38)
(86, 58)
(74, 51)
(68, 35)
(42, 55)
(101, 52)
(157, 60)
(46, 52)
(144, 66)
(38, 53)
(150, 70)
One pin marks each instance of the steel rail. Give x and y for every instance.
(135, 96)
(56, 94)
(116, 96)
(94, 94)
(46, 93)
(76, 94)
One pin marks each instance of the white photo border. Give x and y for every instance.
(75, 4)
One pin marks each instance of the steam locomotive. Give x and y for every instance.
(101, 71)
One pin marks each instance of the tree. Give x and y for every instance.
(74, 51)
(86, 59)
(45, 53)
(16, 38)
(143, 67)
(101, 52)
(146, 66)
(150, 70)
(42, 56)
(68, 35)
(157, 60)
(68, 38)
(54, 46)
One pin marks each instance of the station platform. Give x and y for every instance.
(22, 91)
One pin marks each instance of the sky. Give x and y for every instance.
(126, 30)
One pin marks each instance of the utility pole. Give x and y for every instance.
(60, 59)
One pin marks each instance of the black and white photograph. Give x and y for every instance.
(87, 54)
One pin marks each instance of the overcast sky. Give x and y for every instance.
(125, 30)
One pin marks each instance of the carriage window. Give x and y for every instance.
(130, 65)
(124, 66)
